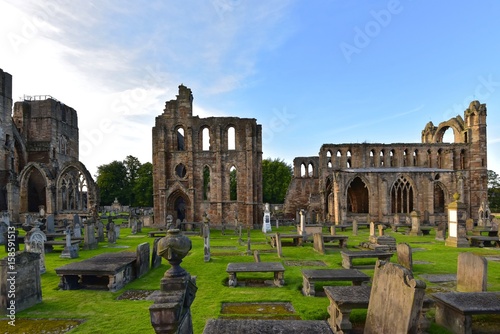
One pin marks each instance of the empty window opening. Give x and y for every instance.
(233, 184)
(205, 135)
(231, 138)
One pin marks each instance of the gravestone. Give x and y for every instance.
(372, 229)
(469, 224)
(142, 262)
(302, 222)
(100, 231)
(139, 225)
(355, 227)
(206, 242)
(23, 277)
(405, 256)
(279, 249)
(249, 248)
(266, 225)
(441, 231)
(333, 230)
(256, 256)
(155, 258)
(133, 225)
(69, 251)
(117, 231)
(76, 219)
(319, 244)
(3, 232)
(35, 243)
(110, 227)
(77, 229)
(396, 300)
(472, 273)
(50, 223)
(89, 239)
(415, 224)
(380, 230)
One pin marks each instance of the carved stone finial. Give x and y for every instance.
(174, 247)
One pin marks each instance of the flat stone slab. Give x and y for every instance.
(104, 264)
(258, 308)
(355, 296)
(311, 263)
(471, 302)
(231, 326)
(254, 267)
(439, 278)
(335, 275)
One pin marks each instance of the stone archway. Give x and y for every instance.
(178, 205)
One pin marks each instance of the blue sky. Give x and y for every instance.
(311, 72)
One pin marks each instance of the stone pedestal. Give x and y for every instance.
(457, 216)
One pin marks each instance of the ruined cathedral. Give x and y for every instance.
(206, 165)
(383, 182)
(40, 165)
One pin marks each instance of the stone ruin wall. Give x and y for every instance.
(171, 151)
(453, 167)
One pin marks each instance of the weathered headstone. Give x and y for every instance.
(76, 219)
(110, 227)
(35, 243)
(77, 230)
(319, 245)
(396, 300)
(142, 261)
(405, 257)
(279, 249)
(206, 242)
(333, 230)
(69, 251)
(100, 231)
(302, 222)
(50, 223)
(472, 273)
(20, 282)
(256, 255)
(117, 231)
(355, 227)
(415, 224)
(469, 224)
(380, 228)
(139, 226)
(441, 231)
(89, 239)
(372, 229)
(155, 258)
(133, 226)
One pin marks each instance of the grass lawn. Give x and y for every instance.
(102, 312)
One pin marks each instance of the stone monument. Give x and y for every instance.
(266, 225)
(171, 311)
(457, 215)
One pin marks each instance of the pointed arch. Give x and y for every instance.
(231, 138)
(35, 180)
(76, 190)
(178, 205)
(402, 196)
(439, 198)
(358, 199)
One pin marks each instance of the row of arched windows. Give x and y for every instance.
(389, 158)
(204, 140)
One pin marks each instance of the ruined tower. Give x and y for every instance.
(211, 165)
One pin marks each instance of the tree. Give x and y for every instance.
(276, 176)
(128, 180)
(143, 188)
(112, 182)
(493, 191)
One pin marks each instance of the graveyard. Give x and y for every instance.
(254, 296)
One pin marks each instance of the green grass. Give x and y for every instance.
(103, 313)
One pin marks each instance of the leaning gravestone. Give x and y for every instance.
(396, 300)
(405, 256)
(472, 273)
(319, 244)
(26, 281)
(142, 262)
(155, 258)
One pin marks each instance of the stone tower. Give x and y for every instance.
(211, 165)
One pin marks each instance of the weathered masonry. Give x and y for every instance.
(378, 181)
(39, 157)
(211, 165)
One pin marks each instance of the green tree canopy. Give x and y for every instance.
(276, 176)
(494, 191)
(128, 180)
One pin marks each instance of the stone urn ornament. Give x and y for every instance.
(173, 248)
